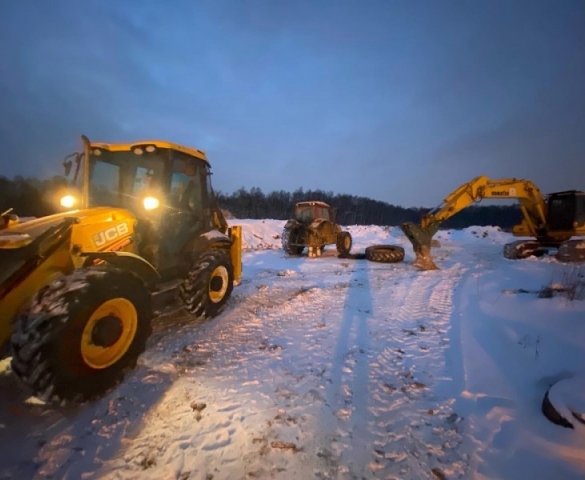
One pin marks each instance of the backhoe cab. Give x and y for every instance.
(551, 220)
(78, 289)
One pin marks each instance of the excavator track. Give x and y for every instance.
(523, 249)
(572, 251)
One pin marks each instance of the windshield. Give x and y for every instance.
(308, 213)
(123, 179)
(118, 179)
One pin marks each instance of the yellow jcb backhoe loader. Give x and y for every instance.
(551, 220)
(78, 289)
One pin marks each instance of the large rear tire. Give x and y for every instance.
(209, 284)
(385, 253)
(81, 334)
(289, 235)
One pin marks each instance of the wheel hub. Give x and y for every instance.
(109, 333)
(106, 331)
(216, 284)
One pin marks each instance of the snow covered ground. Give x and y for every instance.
(333, 368)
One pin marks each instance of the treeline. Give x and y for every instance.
(354, 210)
(32, 197)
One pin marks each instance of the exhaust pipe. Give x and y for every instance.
(421, 238)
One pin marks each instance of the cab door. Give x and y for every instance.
(187, 212)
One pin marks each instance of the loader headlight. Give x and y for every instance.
(150, 203)
(68, 201)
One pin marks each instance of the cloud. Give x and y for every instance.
(393, 100)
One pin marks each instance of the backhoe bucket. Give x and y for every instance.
(421, 243)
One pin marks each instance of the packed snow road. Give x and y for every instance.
(323, 368)
(319, 368)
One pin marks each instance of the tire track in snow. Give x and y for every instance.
(395, 435)
(338, 361)
(413, 430)
(255, 342)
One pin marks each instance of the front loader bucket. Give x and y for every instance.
(235, 234)
(421, 243)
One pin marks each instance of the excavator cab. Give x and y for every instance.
(566, 210)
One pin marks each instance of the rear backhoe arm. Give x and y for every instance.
(532, 205)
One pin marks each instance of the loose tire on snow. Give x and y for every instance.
(286, 246)
(344, 243)
(564, 403)
(81, 333)
(552, 414)
(209, 284)
(385, 253)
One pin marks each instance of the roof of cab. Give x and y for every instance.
(125, 147)
(312, 203)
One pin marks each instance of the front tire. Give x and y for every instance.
(343, 243)
(81, 334)
(209, 284)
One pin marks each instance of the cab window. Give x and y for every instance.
(187, 183)
(322, 212)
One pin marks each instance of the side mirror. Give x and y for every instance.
(67, 167)
(67, 164)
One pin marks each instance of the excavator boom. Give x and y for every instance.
(532, 205)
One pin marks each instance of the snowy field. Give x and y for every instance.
(328, 368)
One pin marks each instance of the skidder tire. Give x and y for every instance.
(286, 246)
(385, 253)
(344, 243)
(209, 284)
(81, 334)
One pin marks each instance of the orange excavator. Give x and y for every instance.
(551, 220)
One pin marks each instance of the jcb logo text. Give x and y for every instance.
(105, 236)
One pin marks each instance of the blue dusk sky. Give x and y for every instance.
(396, 100)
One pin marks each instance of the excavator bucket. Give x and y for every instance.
(421, 244)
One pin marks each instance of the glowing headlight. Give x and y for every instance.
(68, 201)
(150, 203)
